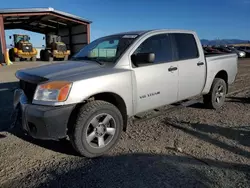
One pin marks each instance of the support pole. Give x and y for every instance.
(88, 33)
(70, 41)
(2, 41)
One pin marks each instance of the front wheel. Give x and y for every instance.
(46, 55)
(11, 54)
(97, 129)
(42, 55)
(217, 95)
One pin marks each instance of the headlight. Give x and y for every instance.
(57, 91)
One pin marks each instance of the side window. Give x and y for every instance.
(160, 45)
(186, 46)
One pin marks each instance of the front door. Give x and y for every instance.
(156, 84)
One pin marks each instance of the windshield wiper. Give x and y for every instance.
(88, 58)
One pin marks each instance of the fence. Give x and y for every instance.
(103, 53)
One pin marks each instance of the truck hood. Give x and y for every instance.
(60, 69)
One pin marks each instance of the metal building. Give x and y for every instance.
(74, 30)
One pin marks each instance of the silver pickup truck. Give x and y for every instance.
(90, 97)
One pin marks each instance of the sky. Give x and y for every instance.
(211, 19)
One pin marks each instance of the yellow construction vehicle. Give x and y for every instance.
(55, 49)
(22, 49)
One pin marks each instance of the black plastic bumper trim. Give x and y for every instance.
(46, 122)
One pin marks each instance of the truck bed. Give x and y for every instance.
(212, 57)
(224, 62)
(216, 55)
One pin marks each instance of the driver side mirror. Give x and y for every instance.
(143, 58)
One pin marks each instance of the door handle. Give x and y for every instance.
(200, 63)
(170, 69)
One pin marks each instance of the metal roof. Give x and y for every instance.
(42, 10)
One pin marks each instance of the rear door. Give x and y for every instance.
(191, 65)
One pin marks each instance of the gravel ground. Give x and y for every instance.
(185, 147)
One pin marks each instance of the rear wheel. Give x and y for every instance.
(97, 129)
(46, 55)
(11, 54)
(42, 55)
(217, 95)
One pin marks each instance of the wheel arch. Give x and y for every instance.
(223, 75)
(210, 79)
(110, 97)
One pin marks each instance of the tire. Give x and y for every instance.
(217, 95)
(11, 54)
(96, 112)
(42, 55)
(46, 55)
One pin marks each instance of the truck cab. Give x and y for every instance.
(177, 57)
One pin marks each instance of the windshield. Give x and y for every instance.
(22, 38)
(106, 49)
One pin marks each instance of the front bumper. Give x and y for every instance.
(42, 122)
(60, 54)
(20, 53)
(26, 56)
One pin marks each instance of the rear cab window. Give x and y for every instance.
(186, 46)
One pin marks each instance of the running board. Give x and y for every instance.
(159, 111)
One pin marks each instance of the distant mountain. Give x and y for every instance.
(223, 41)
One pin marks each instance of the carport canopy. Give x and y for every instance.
(74, 30)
